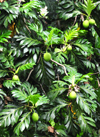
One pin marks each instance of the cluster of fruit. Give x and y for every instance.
(47, 56)
(67, 49)
(86, 23)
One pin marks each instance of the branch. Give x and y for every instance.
(95, 73)
(60, 65)
(39, 58)
(29, 74)
(42, 89)
(26, 25)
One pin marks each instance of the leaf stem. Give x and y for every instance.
(60, 65)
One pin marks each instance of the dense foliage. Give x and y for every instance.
(62, 89)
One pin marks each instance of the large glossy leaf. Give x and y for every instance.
(4, 36)
(52, 112)
(88, 6)
(26, 41)
(24, 123)
(11, 13)
(10, 115)
(42, 100)
(27, 66)
(86, 122)
(85, 46)
(66, 9)
(56, 89)
(30, 5)
(89, 90)
(3, 73)
(44, 71)
(2, 93)
(11, 83)
(83, 103)
(20, 95)
(23, 92)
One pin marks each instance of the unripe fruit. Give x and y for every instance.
(72, 95)
(69, 47)
(35, 117)
(47, 56)
(64, 49)
(86, 24)
(15, 78)
(66, 52)
(92, 21)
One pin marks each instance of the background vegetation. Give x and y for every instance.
(30, 28)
